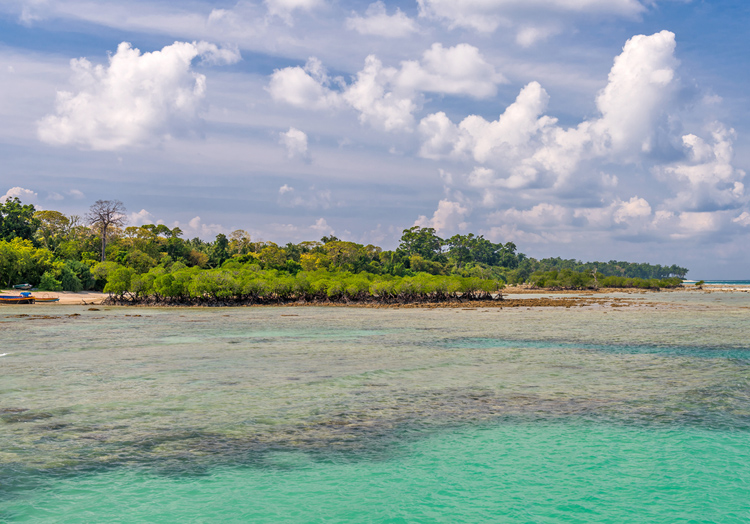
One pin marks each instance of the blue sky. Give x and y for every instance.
(590, 129)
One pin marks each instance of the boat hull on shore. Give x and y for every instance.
(5, 299)
(46, 300)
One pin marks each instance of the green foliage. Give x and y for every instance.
(419, 264)
(421, 241)
(569, 279)
(69, 280)
(17, 220)
(21, 262)
(52, 228)
(248, 282)
(89, 258)
(102, 270)
(469, 249)
(139, 261)
(142, 285)
(82, 272)
(118, 282)
(220, 251)
(612, 268)
(49, 283)
(154, 260)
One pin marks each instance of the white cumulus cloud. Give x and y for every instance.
(306, 88)
(449, 216)
(377, 102)
(458, 70)
(707, 180)
(635, 208)
(526, 143)
(141, 217)
(379, 23)
(26, 196)
(197, 228)
(525, 156)
(387, 97)
(484, 141)
(138, 98)
(321, 227)
(295, 142)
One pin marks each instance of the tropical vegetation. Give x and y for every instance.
(56, 252)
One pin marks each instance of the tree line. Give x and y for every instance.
(54, 251)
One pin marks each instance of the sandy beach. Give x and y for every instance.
(66, 297)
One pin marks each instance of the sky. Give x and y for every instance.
(586, 129)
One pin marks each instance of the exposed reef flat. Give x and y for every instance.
(192, 387)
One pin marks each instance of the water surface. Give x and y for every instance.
(598, 414)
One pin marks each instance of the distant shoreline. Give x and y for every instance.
(93, 298)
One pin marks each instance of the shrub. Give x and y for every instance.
(69, 280)
(49, 283)
(118, 282)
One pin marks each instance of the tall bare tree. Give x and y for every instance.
(104, 215)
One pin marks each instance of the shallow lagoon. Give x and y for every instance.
(607, 414)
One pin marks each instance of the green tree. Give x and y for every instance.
(272, 256)
(118, 282)
(21, 262)
(17, 220)
(507, 256)
(53, 227)
(421, 241)
(239, 242)
(460, 249)
(220, 251)
(48, 282)
(69, 280)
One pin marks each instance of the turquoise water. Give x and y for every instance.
(511, 472)
(598, 414)
(724, 351)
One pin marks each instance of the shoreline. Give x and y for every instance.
(66, 298)
(94, 298)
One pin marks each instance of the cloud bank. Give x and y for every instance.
(387, 97)
(526, 153)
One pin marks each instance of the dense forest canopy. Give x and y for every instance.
(57, 252)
